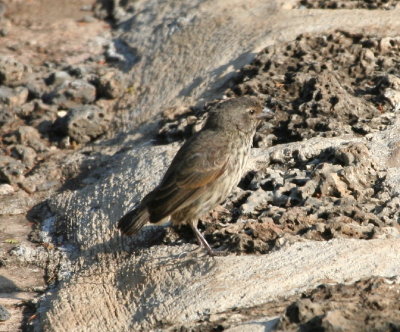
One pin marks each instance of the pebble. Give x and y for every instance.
(27, 135)
(72, 93)
(110, 84)
(6, 189)
(13, 97)
(58, 78)
(26, 154)
(37, 87)
(6, 115)
(26, 109)
(12, 72)
(83, 123)
(11, 170)
(61, 114)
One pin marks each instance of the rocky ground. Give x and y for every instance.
(65, 87)
(350, 87)
(58, 85)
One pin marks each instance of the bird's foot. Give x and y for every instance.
(204, 244)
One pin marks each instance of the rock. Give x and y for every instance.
(110, 84)
(26, 109)
(335, 321)
(368, 304)
(390, 85)
(388, 44)
(12, 72)
(17, 203)
(78, 71)
(47, 185)
(13, 97)
(303, 311)
(84, 123)
(208, 286)
(5, 26)
(6, 189)
(58, 78)
(72, 93)
(394, 98)
(7, 115)
(29, 136)
(4, 314)
(25, 153)
(11, 170)
(37, 87)
(256, 198)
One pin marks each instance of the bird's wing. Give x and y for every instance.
(200, 161)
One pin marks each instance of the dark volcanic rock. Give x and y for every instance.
(72, 93)
(367, 305)
(335, 194)
(84, 123)
(322, 85)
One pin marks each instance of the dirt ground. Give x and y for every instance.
(40, 39)
(322, 85)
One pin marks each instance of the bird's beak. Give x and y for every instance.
(266, 114)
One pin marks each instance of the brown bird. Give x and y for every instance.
(204, 171)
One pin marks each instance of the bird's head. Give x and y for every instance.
(243, 114)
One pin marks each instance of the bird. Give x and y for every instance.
(204, 171)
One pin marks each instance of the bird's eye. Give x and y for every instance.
(252, 111)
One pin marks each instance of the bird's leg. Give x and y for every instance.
(203, 242)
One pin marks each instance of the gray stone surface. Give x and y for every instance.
(166, 285)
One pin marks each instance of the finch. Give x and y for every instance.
(204, 171)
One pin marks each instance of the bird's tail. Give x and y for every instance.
(133, 221)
